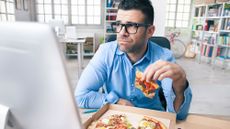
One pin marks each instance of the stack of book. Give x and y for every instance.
(206, 50)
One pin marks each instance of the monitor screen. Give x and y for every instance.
(33, 79)
(58, 26)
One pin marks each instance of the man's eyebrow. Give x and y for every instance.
(131, 22)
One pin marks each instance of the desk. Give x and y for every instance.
(80, 44)
(193, 121)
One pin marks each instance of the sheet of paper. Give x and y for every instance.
(3, 115)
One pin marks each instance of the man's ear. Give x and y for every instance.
(150, 31)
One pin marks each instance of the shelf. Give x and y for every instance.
(208, 44)
(222, 58)
(110, 8)
(199, 17)
(110, 21)
(111, 14)
(110, 33)
(211, 32)
(225, 16)
(199, 5)
(197, 41)
(226, 31)
(223, 45)
(198, 30)
(85, 54)
(217, 17)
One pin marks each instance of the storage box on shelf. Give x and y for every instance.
(220, 1)
(198, 2)
(211, 31)
(209, 1)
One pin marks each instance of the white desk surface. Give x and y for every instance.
(82, 40)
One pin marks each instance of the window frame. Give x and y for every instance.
(175, 19)
(80, 26)
(7, 13)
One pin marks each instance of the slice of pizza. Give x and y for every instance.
(148, 88)
(115, 121)
(150, 123)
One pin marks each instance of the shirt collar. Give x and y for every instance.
(147, 55)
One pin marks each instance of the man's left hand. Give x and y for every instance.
(163, 69)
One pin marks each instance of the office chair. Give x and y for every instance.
(110, 38)
(161, 41)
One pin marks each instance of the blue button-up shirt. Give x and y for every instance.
(112, 69)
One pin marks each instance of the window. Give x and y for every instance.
(178, 13)
(44, 10)
(83, 12)
(61, 10)
(7, 10)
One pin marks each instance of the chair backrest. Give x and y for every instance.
(161, 41)
(110, 38)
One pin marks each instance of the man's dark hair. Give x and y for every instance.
(145, 6)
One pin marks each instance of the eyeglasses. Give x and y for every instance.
(130, 28)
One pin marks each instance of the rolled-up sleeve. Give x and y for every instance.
(184, 108)
(91, 80)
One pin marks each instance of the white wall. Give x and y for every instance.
(25, 15)
(159, 18)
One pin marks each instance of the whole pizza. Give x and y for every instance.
(120, 121)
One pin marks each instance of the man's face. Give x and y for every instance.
(132, 43)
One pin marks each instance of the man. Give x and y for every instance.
(114, 65)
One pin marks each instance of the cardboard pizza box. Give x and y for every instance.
(203, 122)
(133, 114)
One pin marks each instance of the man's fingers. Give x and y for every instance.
(158, 65)
(159, 72)
(145, 73)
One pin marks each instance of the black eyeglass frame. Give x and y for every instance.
(137, 25)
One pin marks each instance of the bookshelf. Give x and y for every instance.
(110, 16)
(211, 32)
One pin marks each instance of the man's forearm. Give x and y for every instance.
(179, 96)
(178, 102)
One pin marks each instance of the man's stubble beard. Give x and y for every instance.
(134, 49)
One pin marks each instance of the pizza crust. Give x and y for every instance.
(151, 123)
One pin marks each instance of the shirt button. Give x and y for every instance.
(132, 99)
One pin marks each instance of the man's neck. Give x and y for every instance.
(135, 56)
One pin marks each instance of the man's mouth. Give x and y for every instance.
(123, 41)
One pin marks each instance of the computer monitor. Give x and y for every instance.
(58, 26)
(33, 79)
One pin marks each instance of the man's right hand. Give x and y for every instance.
(124, 102)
